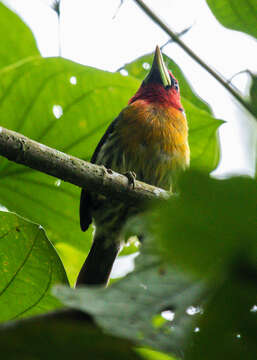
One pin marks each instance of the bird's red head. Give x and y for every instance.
(159, 86)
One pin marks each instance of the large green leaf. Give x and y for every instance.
(29, 267)
(141, 306)
(236, 14)
(49, 338)
(66, 106)
(17, 41)
(203, 126)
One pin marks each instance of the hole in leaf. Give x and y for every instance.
(146, 66)
(168, 315)
(124, 72)
(193, 310)
(254, 308)
(57, 111)
(57, 182)
(3, 208)
(73, 80)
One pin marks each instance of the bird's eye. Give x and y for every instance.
(174, 83)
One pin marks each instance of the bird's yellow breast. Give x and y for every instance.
(155, 141)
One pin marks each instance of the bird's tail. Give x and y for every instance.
(98, 265)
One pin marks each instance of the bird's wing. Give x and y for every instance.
(85, 197)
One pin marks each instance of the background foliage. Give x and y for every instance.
(200, 248)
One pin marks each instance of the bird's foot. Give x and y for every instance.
(105, 170)
(131, 175)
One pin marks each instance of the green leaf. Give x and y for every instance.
(210, 223)
(85, 101)
(29, 267)
(17, 41)
(203, 140)
(48, 338)
(130, 307)
(236, 14)
(229, 319)
(131, 246)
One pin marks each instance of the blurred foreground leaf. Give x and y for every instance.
(228, 328)
(236, 14)
(46, 338)
(141, 307)
(29, 267)
(209, 224)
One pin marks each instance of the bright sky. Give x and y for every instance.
(91, 35)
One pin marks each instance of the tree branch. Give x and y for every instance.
(211, 71)
(25, 151)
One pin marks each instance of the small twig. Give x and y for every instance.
(229, 81)
(118, 9)
(246, 71)
(23, 150)
(59, 37)
(56, 6)
(211, 71)
(183, 32)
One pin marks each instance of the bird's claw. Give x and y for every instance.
(131, 176)
(105, 170)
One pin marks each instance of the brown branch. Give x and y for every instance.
(25, 151)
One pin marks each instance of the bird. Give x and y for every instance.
(149, 139)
